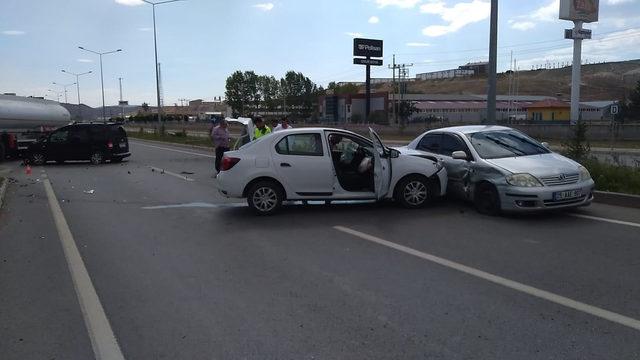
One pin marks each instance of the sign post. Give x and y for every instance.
(367, 48)
(580, 12)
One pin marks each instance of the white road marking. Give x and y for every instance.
(195, 205)
(612, 221)
(163, 171)
(103, 341)
(558, 299)
(174, 150)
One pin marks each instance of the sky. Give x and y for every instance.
(201, 42)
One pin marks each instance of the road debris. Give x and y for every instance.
(91, 192)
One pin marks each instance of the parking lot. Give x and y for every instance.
(165, 268)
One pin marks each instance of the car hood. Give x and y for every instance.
(405, 150)
(537, 165)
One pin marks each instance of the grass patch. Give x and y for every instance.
(615, 178)
(178, 138)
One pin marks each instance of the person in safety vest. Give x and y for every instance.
(261, 128)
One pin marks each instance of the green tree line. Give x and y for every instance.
(248, 92)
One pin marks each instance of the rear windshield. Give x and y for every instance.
(505, 143)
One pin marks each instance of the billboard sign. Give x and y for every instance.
(367, 48)
(372, 62)
(579, 10)
(581, 34)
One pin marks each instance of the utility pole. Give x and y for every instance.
(493, 63)
(403, 74)
(121, 102)
(393, 67)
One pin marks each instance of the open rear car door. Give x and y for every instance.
(246, 128)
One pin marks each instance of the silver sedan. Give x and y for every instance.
(502, 169)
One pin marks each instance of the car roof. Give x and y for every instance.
(470, 129)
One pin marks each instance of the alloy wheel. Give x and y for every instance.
(265, 199)
(415, 193)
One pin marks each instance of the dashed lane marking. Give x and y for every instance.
(163, 171)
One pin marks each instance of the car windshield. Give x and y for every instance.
(505, 143)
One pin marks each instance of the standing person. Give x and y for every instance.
(261, 128)
(284, 125)
(220, 137)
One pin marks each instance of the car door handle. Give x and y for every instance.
(285, 165)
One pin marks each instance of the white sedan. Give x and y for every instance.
(327, 164)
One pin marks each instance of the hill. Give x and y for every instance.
(599, 82)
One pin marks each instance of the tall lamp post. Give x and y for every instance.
(493, 63)
(64, 86)
(155, 47)
(101, 74)
(58, 94)
(78, 87)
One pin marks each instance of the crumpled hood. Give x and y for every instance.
(537, 165)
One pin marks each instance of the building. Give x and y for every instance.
(472, 109)
(352, 107)
(445, 74)
(479, 68)
(549, 110)
(468, 70)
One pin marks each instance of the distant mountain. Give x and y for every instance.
(605, 81)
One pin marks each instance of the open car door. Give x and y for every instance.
(381, 166)
(247, 131)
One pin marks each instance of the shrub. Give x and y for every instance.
(623, 179)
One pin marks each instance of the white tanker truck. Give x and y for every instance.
(23, 120)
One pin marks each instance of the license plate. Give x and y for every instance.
(566, 195)
(123, 145)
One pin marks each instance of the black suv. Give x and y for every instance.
(94, 142)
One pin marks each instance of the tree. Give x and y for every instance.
(145, 107)
(634, 97)
(633, 109)
(577, 146)
(235, 92)
(251, 94)
(344, 89)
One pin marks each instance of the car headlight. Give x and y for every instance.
(523, 180)
(584, 174)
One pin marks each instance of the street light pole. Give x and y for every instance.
(58, 94)
(493, 63)
(78, 87)
(64, 86)
(101, 73)
(155, 49)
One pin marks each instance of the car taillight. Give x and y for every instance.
(228, 163)
(110, 145)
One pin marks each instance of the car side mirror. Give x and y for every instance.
(393, 153)
(545, 144)
(459, 155)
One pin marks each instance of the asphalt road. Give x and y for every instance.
(181, 273)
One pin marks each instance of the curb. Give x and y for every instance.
(4, 184)
(617, 199)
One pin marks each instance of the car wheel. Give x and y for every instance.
(97, 158)
(265, 197)
(37, 158)
(413, 192)
(487, 199)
